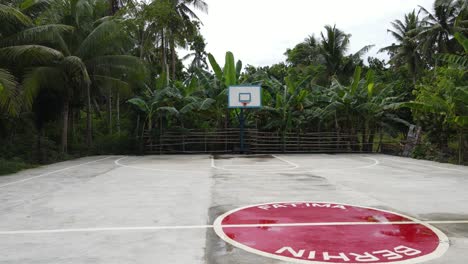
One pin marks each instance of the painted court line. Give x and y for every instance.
(375, 163)
(255, 165)
(154, 228)
(287, 161)
(53, 172)
(424, 165)
(118, 163)
(232, 167)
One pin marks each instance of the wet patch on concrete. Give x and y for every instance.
(443, 217)
(218, 251)
(454, 230)
(304, 177)
(222, 175)
(391, 209)
(451, 230)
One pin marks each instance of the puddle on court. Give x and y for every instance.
(443, 217)
(452, 230)
(218, 251)
(307, 177)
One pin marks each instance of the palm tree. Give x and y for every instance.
(179, 32)
(437, 29)
(406, 52)
(305, 53)
(70, 63)
(12, 21)
(334, 46)
(198, 55)
(10, 101)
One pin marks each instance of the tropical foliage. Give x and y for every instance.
(95, 76)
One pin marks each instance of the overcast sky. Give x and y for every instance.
(259, 31)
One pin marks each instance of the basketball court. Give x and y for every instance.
(304, 208)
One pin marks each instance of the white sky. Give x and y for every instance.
(258, 32)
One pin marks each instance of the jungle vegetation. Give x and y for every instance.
(82, 77)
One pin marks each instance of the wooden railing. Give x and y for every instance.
(227, 141)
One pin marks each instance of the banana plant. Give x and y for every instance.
(216, 86)
(363, 105)
(446, 100)
(194, 99)
(287, 103)
(157, 103)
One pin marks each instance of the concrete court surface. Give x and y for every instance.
(159, 209)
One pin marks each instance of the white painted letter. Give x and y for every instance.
(279, 205)
(321, 205)
(388, 254)
(407, 251)
(339, 206)
(311, 255)
(291, 251)
(367, 257)
(264, 207)
(342, 256)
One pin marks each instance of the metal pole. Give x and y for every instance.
(242, 130)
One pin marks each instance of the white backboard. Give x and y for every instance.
(245, 96)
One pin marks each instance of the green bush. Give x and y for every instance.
(12, 166)
(116, 143)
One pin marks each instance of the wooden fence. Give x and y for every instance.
(227, 141)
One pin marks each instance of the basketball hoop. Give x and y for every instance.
(244, 98)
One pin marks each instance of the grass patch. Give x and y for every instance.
(12, 166)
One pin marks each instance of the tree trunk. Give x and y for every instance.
(163, 52)
(89, 132)
(227, 119)
(370, 141)
(461, 146)
(150, 123)
(142, 44)
(117, 107)
(174, 58)
(65, 112)
(379, 147)
(137, 126)
(337, 128)
(39, 146)
(114, 7)
(364, 138)
(72, 120)
(109, 110)
(97, 110)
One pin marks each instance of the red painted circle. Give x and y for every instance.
(309, 232)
